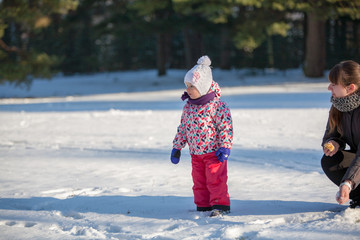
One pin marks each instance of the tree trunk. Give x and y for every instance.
(193, 47)
(315, 53)
(270, 52)
(357, 38)
(187, 48)
(225, 49)
(161, 54)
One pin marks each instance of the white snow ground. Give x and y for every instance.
(87, 157)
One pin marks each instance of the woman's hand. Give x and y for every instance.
(327, 151)
(343, 194)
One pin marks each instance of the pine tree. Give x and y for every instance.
(318, 12)
(19, 21)
(161, 21)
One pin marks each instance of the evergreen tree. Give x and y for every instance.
(161, 19)
(78, 41)
(201, 20)
(243, 24)
(318, 12)
(19, 21)
(125, 37)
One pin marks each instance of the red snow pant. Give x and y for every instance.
(210, 187)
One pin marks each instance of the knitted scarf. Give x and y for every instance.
(200, 101)
(348, 103)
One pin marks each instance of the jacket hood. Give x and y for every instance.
(216, 89)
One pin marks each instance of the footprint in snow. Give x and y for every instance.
(26, 224)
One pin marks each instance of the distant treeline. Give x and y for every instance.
(40, 37)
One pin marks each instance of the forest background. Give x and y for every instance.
(39, 38)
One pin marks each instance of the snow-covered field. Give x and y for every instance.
(87, 157)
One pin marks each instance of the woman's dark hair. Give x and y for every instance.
(343, 73)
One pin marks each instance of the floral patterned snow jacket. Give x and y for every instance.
(207, 127)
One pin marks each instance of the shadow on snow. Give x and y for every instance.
(245, 101)
(160, 207)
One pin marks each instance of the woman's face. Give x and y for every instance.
(337, 90)
(192, 91)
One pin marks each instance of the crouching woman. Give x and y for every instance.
(342, 166)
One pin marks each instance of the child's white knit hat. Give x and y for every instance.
(200, 75)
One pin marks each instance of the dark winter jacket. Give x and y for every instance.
(351, 136)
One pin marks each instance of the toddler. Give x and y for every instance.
(206, 126)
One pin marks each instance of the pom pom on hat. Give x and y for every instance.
(200, 75)
(204, 60)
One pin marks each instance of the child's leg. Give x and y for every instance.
(201, 193)
(216, 175)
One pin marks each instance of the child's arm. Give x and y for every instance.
(224, 125)
(179, 141)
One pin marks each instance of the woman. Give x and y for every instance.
(341, 166)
